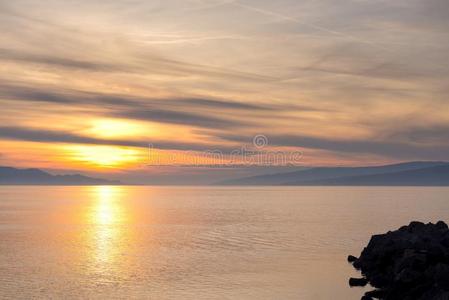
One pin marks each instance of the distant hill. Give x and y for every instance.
(13, 176)
(329, 175)
(433, 176)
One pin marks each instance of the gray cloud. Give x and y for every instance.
(177, 117)
(200, 112)
(36, 135)
(17, 55)
(174, 111)
(388, 148)
(432, 134)
(27, 93)
(209, 103)
(65, 137)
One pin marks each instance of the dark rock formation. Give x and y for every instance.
(411, 263)
(358, 281)
(352, 258)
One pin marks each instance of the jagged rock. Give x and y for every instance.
(351, 258)
(375, 294)
(411, 263)
(358, 281)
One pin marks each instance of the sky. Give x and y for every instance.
(140, 90)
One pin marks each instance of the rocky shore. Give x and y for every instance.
(411, 263)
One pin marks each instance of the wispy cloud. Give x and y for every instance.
(18, 56)
(388, 148)
(66, 137)
(200, 112)
(319, 28)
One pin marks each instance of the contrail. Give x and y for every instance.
(208, 5)
(298, 21)
(173, 39)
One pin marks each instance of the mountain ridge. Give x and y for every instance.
(326, 173)
(431, 176)
(33, 176)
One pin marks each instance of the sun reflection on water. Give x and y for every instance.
(108, 209)
(108, 217)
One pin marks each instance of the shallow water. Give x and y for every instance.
(196, 242)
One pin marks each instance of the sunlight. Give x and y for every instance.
(107, 215)
(111, 128)
(107, 211)
(104, 156)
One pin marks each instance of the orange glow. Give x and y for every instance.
(110, 128)
(104, 156)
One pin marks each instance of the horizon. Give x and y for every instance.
(395, 169)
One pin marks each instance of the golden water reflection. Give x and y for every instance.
(107, 209)
(108, 233)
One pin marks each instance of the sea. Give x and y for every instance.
(173, 242)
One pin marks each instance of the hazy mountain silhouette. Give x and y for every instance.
(329, 175)
(433, 176)
(15, 176)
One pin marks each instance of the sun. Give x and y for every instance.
(104, 156)
(116, 128)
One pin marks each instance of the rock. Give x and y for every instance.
(351, 258)
(357, 264)
(358, 281)
(441, 225)
(441, 275)
(375, 294)
(407, 276)
(414, 225)
(409, 263)
(379, 280)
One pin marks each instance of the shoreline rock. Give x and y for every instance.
(411, 263)
(358, 281)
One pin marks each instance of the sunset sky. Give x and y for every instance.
(86, 86)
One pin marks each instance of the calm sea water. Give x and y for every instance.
(196, 242)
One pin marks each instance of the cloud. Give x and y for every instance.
(18, 56)
(437, 134)
(144, 109)
(386, 148)
(36, 135)
(210, 103)
(313, 26)
(25, 92)
(200, 112)
(173, 111)
(177, 117)
(66, 137)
